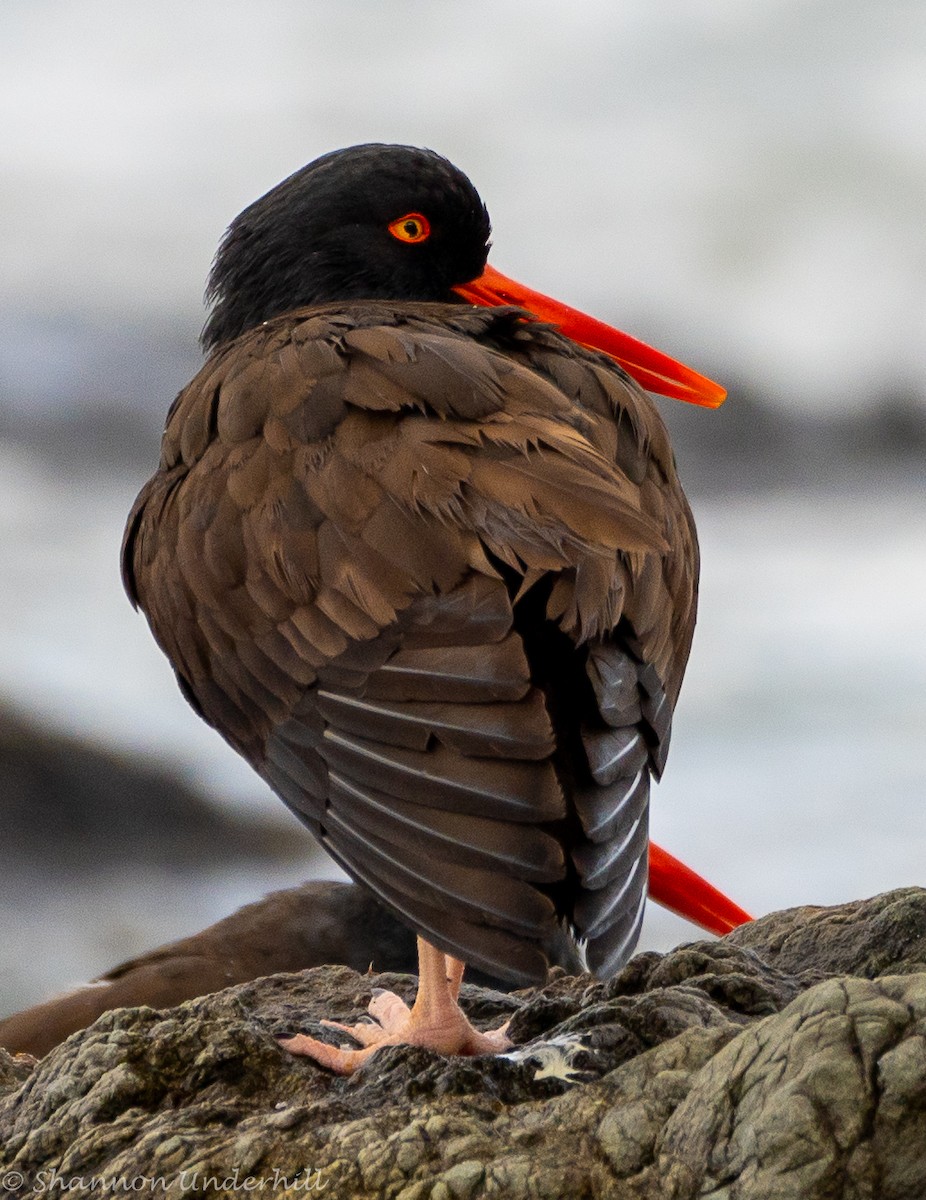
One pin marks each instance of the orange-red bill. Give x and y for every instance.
(677, 887)
(650, 368)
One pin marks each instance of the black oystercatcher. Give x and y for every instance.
(424, 561)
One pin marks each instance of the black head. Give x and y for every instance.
(324, 235)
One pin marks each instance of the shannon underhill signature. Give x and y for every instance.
(51, 1182)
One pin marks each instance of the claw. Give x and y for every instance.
(435, 1022)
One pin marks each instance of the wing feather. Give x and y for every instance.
(516, 791)
(487, 730)
(489, 947)
(524, 851)
(354, 514)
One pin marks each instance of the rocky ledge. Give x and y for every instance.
(786, 1061)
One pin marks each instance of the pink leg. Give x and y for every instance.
(455, 969)
(434, 1021)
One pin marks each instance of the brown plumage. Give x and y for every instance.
(430, 570)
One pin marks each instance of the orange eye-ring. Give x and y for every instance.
(413, 227)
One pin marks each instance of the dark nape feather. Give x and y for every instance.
(315, 237)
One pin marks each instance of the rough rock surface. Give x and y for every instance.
(785, 1061)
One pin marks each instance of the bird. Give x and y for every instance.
(417, 548)
(314, 924)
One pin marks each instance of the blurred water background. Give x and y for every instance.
(741, 184)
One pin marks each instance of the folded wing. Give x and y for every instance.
(432, 573)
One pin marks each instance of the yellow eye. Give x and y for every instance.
(413, 227)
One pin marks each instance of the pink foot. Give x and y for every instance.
(443, 1028)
